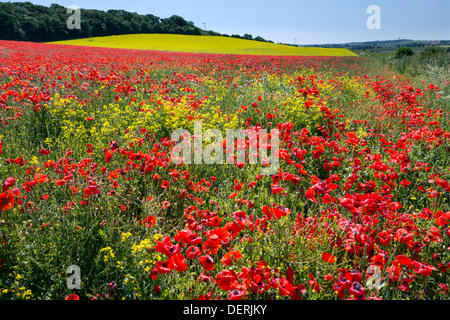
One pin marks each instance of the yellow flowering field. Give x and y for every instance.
(203, 44)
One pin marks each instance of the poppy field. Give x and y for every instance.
(358, 209)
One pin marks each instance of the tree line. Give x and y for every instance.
(386, 44)
(25, 21)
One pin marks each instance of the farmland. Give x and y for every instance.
(357, 209)
(202, 44)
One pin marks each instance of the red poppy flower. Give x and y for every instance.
(276, 189)
(356, 290)
(405, 183)
(72, 296)
(113, 146)
(384, 237)
(313, 283)
(240, 215)
(90, 149)
(60, 182)
(164, 266)
(6, 200)
(166, 247)
(353, 275)
(154, 274)
(165, 184)
(328, 257)
(310, 195)
(238, 186)
(90, 190)
(422, 268)
(444, 288)
(403, 235)
(188, 237)
(18, 161)
(179, 262)
(207, 262)
(327, 199)
(236, 294)
(403, 259)
(205, 277)
(193, 252)
(108, 156)
(8, 183)
(232, 195)
(290, 274)
(352, 138)
(165, 204)
(44, 151)
(259, 287)
(219, 236)
(339, 288)
(300, 288)
(442, 218)
(148, 221)
(347, 203)
(285, 287)
(240, 164)
(328, 277)
(44, 197)
(231, 256)
(210, 247)
(226, 280)
(275, 213)
(40, 178)
(17, 195)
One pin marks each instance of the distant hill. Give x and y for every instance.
(383, 45)
(28, 22)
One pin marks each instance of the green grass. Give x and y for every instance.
(203, 44)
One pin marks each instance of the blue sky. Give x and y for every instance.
(297, 21)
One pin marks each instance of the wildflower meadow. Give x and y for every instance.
(96, 206)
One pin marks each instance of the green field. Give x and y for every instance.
(203, 44)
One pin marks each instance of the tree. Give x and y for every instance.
(29, 22)
(8, 27)
(403, 52)
(431, 52)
